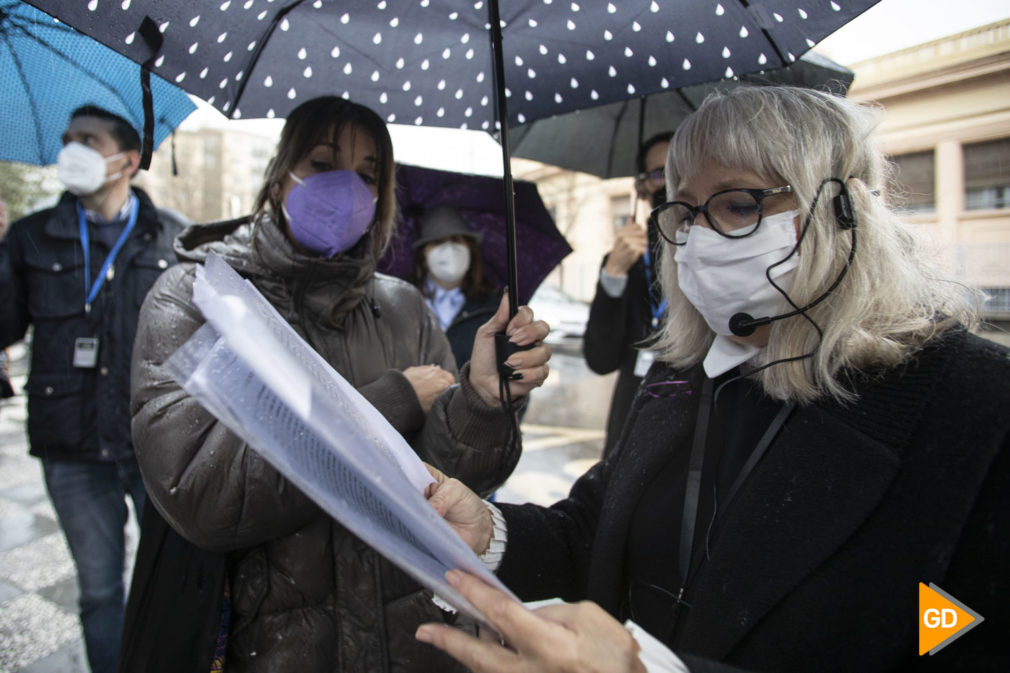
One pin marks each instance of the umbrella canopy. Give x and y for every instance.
(47, 70)
(478, 198)
(428, 61)
(604, 141)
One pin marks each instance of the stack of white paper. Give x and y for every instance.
(250, 369)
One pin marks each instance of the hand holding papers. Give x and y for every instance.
(250, 369)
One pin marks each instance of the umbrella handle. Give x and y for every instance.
(501, 107)
(504, 349)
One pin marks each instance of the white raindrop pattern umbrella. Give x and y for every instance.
(428, 62)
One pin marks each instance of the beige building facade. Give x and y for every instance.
(945, 122)
(218, 173)
(947, 129)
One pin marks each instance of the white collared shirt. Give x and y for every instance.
(725, 354)
(445, 303)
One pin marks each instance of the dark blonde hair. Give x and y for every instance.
(325, 117)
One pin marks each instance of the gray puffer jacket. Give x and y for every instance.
(306, 594)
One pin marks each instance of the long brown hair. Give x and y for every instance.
(325, 116)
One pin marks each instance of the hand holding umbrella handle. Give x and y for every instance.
(504, 349)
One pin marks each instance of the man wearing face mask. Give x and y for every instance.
(77, 274)
(448, 269)
(625, 311)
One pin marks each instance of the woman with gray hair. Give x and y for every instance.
(820, 444)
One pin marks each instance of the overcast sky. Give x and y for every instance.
(891, 25)
(888, 26)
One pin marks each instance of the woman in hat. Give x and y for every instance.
(449, 271)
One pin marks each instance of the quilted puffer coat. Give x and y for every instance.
(306, 594)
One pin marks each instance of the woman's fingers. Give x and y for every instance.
(523, 329)
(505, 615)
(478, 655)
(561, 637)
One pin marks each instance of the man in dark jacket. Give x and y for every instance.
(77, 274)
(627, 306)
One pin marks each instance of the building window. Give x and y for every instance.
(620, 208)
(987, 175)
(911, 188)
(997, 303)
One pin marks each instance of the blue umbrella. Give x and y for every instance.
(48, 69)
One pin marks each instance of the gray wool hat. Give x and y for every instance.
(442, 222)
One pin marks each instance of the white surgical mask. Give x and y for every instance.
(722, 277)
(449, 261)
(82, 169)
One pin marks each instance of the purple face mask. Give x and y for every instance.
(329, 212)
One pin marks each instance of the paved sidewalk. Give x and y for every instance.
(39, 630)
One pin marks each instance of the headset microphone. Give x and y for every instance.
(743, 324)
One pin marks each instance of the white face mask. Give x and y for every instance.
(722, 277)
(82, 169)
(449, 261)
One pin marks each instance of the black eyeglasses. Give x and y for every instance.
(734, 213)
(650, 181)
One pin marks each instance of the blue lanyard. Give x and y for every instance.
(85, 243)
(657, 311)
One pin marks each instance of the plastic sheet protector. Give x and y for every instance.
(250, 369)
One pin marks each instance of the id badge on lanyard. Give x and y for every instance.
(645, 358)
(643, 361)
(107, 271)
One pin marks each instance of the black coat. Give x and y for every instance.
(616, 326)
(463, 329)
(817, 562)
(77, 413)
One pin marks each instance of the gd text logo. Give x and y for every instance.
(942, 619)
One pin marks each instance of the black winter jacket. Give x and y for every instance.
(617, 327)
(306, 594)
(79, 413)
(463, 329)
(817, 561)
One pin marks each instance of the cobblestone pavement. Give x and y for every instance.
(39, 630)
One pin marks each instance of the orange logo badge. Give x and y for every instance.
(942, 619)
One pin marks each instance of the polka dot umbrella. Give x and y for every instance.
(453, 63)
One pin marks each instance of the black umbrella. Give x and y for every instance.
(428, 61)
(604, 140)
